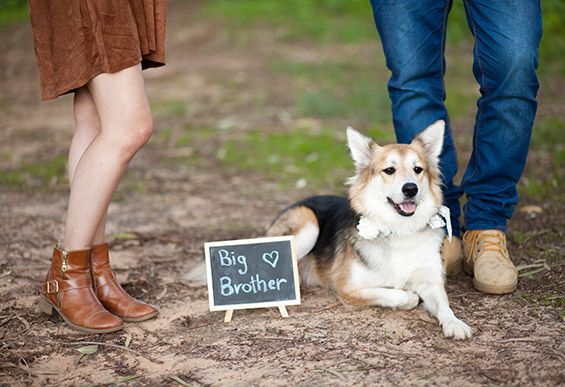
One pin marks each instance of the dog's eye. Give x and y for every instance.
(418, 170)
(389, 170)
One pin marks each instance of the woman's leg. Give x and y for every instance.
(87, 127)
(125, 126)
(109, 128)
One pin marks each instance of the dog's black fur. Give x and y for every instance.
(334, 215)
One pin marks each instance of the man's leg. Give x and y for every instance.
(413, 38)
(507, 35)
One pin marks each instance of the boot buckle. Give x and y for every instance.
(51, 287)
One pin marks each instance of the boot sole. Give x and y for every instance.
(494, 289)
(46, 306)
(140, 319)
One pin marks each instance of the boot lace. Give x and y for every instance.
(487, 241)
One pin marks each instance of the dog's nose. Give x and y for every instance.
(410, 189)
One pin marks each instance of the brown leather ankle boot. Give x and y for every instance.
(68, 290)
(111, 294)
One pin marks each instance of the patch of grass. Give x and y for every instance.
(165, 135)
(556, 300)
(321, 104)
(181, 136)
(36, 173)
(169, 107)
(348, 90)
(318, 20)
(548, 136)
(536, 188)
(183, 144)
(318, 160)
(13, 11)
(552, 46)
(457, 29)
(549, 133)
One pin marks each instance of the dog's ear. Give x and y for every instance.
(431, 139)
(360, 148)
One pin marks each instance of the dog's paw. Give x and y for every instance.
(457, 329)
(412, 300)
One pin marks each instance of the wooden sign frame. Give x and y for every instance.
(238, 242)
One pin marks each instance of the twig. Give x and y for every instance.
(24, 321)
(116, 346)
(330, 306)
(522, 267)
(331, 372)
(359, 369)
(531, 273)
(162, 294)
(178, 380)
(6, 320)
(518, 339)
(272, 338)
(24, 362)
(21, 367)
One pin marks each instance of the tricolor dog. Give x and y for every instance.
(381, 245)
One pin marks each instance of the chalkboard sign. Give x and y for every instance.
(252, 273)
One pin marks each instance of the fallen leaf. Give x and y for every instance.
(88, 349)
(532, 211)
(125, 235)
(178, 380)
(128, 339)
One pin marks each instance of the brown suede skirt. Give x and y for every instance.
(75, 40)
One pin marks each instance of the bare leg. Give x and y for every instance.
(87, 127)
(125, 126)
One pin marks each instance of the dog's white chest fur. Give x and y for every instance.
(398, 262)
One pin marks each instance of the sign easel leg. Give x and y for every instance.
(284, 312)
(228, 316)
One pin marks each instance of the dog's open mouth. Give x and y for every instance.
(406, 208)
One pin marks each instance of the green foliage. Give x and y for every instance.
(322, 159)
(548, 138)
(13, 11)
(549, 133)
(319, 20)
(457, 29)
(169, 107)
(37, 173)
(349, 89)
(552, 46)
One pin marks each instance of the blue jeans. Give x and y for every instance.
(507, 35)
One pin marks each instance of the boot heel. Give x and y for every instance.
(45, 306)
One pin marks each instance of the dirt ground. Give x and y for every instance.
(157, 234)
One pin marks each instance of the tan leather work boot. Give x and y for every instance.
(68, 290)
(111, 294)
(486, 257)
(451, 256)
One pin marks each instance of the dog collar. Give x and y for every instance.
(442, 219)
(368, 230)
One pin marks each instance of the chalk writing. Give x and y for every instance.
(252, 271)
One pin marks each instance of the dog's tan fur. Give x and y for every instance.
(387, 271)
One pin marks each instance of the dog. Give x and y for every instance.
(381, 245)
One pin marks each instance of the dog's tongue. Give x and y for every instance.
(408, 207)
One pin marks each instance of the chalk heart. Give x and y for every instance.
(271, 258)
